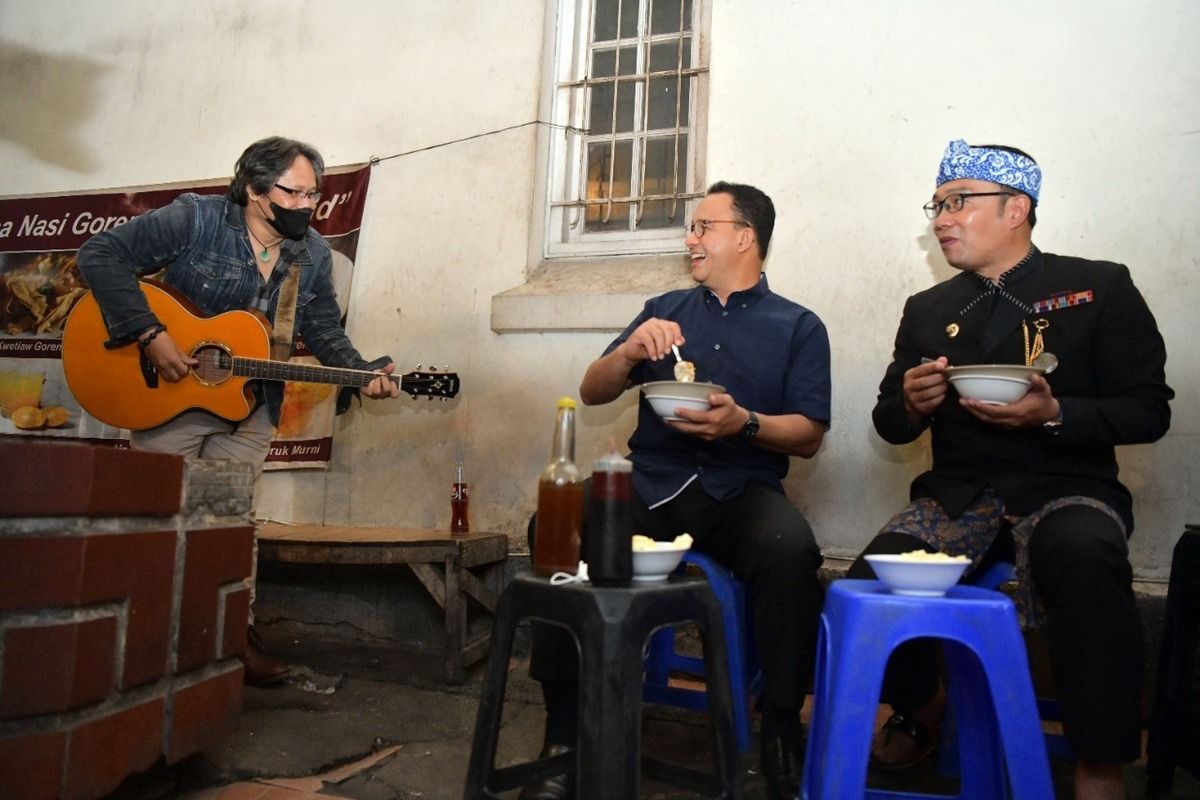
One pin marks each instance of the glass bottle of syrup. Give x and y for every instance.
(560, 501)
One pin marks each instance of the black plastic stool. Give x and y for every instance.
(611, 626)
(1175, 722)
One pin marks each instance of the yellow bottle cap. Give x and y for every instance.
(566, 402)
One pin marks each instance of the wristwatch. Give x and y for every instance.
(750, 429)
(1052, 427)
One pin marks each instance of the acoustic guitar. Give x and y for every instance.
(121, 388)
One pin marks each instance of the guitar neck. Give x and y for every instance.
(429, 383)
(265, 369)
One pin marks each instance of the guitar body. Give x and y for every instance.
(111, 384)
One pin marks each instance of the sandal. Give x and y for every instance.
(903, 742)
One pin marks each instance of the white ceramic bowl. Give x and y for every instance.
(666, 396)
(657, 564)
(917, 578)
(997, 384)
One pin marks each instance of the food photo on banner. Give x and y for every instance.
(40, 285)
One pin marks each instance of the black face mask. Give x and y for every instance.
(290, 222)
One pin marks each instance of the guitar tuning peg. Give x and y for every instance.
(418, 367)
(433, 367)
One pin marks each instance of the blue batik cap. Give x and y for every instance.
(990, 164)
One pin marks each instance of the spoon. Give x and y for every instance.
(1047, 361)
(685, 371)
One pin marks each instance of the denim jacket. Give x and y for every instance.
(203, 243)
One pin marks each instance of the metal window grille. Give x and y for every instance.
(632, 98)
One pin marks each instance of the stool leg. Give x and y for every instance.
(722, 694)
(491, 702)
(843, 715)
(731, 620)
(662, 651)
(816, 745)
(977, 734)
(609, 759)
(1016, 711)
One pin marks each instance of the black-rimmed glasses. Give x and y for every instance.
(701, 226)
(314, 196)
(954, 202)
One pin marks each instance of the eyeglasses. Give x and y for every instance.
(701, 226)
(954, 202)
(314, 196)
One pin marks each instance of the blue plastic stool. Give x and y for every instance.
(745, 677)
(862, 623)
(1057, 746)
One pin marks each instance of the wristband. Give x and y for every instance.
(144, 343)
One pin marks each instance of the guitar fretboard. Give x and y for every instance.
(266, 369)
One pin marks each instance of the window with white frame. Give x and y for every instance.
(627, 108)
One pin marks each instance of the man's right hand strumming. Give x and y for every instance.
(171, 363)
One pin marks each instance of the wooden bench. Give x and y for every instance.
(453, 568)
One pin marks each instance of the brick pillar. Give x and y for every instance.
(123, 607)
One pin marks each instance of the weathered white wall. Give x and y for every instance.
(839, 111)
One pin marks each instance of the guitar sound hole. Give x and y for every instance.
(215, 364)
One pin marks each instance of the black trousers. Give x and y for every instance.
(1079, 562)
(767, 544)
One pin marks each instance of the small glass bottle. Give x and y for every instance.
(609, 520)
(560, 501)
(459, 502)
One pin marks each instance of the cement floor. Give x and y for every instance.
(365, 722)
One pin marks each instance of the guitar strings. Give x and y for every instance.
(219, 360)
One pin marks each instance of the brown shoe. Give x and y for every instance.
(903, 742)
(260, 668)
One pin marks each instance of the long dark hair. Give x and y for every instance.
(264, 161)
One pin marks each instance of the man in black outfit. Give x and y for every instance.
(1034, 480)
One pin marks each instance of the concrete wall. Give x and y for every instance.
(839, 111)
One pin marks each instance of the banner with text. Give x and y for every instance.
(39, 284)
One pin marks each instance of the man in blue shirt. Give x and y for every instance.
(717, 474)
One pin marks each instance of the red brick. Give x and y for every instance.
(59, 479)
(204, 713)
(107, 750)
(214, 557)
(40, 572)
(237, 619)
(31, 767)
(139, 567)
(56, 668)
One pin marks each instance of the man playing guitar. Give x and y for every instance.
(240, 251)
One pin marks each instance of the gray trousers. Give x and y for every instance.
(197, 434)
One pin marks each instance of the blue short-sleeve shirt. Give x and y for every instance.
(770, 354)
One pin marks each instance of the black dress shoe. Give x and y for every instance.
(782, 764)
(556, 787)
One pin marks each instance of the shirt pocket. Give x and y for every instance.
(219, 282)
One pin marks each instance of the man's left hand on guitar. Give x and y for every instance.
(383, 387)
